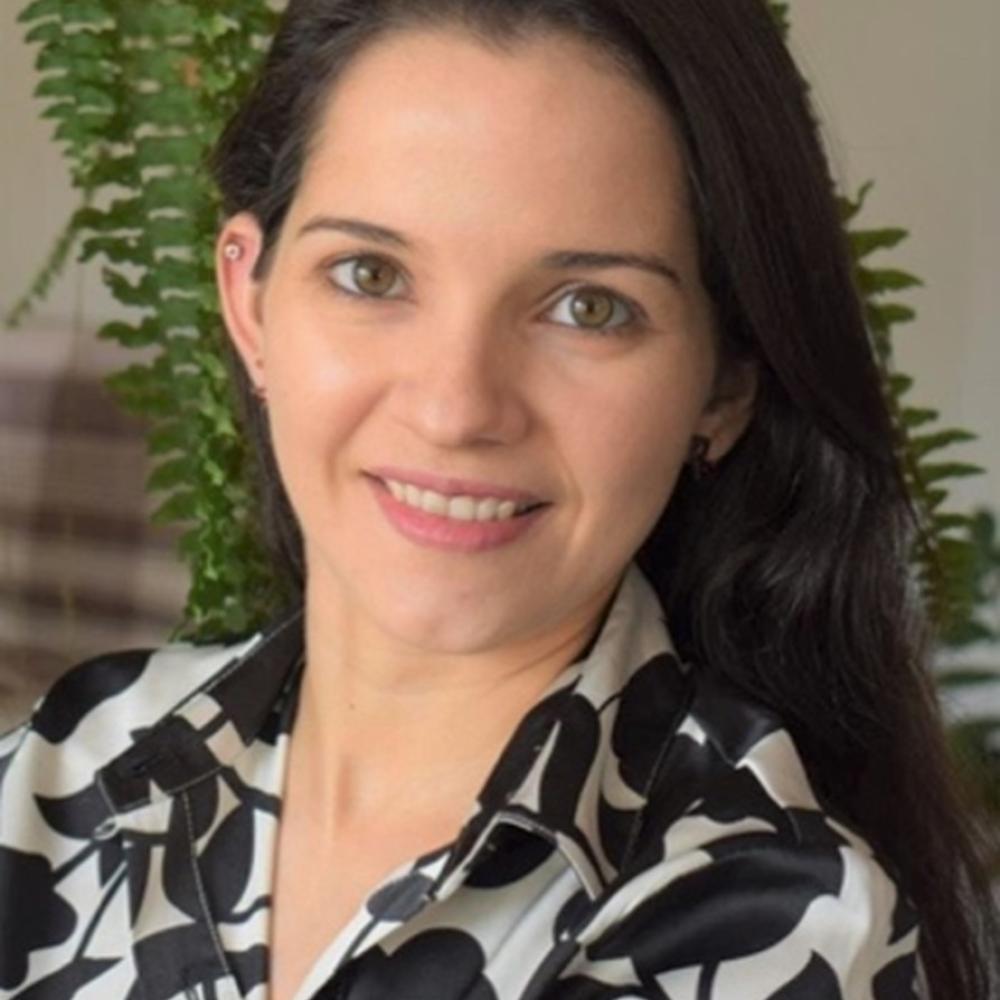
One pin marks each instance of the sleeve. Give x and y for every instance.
(758, 921)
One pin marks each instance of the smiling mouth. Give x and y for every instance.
(458, 507)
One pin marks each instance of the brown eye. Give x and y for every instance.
(369, 275)
(594, 309)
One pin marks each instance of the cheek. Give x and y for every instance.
(637, 441)
(631, 449)
(632, 463)
(318, 394)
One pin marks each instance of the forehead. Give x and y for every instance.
(432, 126)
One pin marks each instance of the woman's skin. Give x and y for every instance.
(421, 661)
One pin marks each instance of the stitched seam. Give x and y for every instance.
(220, 767)
(229, 667)
(200, 888)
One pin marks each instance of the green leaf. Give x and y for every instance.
(878, 281)
(116, 249)
(177, 311)
(855, 206)
(117, 170)
(175, 191)
(867, 241)
(214, 473)
(146, 333)
(213, 366)
(85, 96)
(218, 79)
(47, 274)
(216, 26)
(47, 31)
(899, 384)
(159, 20)
(167, 475)
(171, 109)
(171, 272)
(141, 389)
(61, 109)
(913, 417)
(42, 8)
(142, 294)
(159, 151)
(171, 232)
(921, 445)
(54, 58)
(889, 314)
(168, 436)
(967, 678)
(967, 633)
(950, 522)
(83, 127)
(934, 498)
(949, 470)
(182, 506)
(165, 66)
(189, 545)
(74, 12)
(80, 45)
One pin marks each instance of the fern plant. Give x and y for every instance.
(139, 92)
(945, 548)
(974, 731)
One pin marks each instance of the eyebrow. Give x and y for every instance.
(563, 260)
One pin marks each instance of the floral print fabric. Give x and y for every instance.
(647, 832)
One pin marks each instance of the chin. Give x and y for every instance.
(441, 626)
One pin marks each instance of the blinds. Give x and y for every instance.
(81, 569)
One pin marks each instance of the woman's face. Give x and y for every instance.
(471, 344)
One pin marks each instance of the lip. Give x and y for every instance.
(451, 486)
(435, 531)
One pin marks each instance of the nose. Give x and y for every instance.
(461, 385)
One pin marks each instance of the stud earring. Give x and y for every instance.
(701, 467)
(233, 251)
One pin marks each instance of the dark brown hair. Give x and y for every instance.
(787, 571)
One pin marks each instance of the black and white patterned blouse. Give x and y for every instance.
(646, 833)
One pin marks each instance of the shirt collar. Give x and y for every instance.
(575, 771)
(578, 768)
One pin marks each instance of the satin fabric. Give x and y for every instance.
(647, 832)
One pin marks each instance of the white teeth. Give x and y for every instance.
(461, 508)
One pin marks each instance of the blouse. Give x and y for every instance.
(648, 831)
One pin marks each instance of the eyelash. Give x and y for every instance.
(636, 321)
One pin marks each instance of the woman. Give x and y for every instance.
(606, 680)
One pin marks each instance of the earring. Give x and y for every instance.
(701, 467)
(260, 393)
(233, 250)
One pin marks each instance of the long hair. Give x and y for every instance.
(787, 571)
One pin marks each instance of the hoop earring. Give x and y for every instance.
(701, 467)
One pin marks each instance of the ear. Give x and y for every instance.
(728, 411)
(236, 252)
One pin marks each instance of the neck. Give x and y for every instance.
(384, 724)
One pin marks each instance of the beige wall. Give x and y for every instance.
(910, 93)
(36, 197)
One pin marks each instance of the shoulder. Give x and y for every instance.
(94, 712)
(741, 884)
